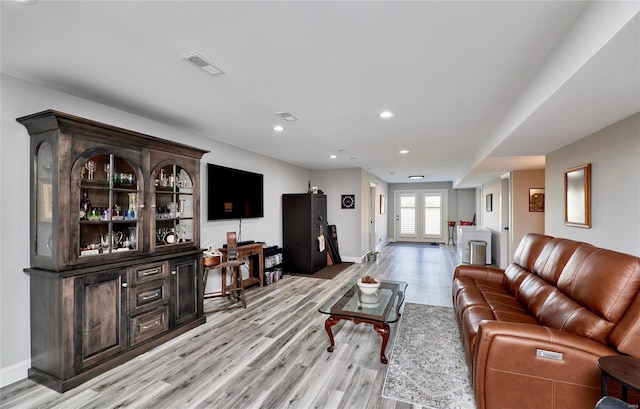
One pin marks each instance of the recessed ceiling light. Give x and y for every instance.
(278, 128)
(387, 114)
(416, 177)
(333, 156)
(403, 151)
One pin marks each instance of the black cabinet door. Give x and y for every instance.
(302, 218)
(186, 289)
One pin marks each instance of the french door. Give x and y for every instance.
(421, 215)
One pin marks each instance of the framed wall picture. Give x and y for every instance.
(536, 200)
(489, 200)
(348, 201)
(577, 196)
(383, 204)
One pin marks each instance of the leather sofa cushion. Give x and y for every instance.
(529, 249)
(603, 281)
(561, 312)
(554, 257)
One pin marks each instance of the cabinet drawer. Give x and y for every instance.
(148, 325)
(144, 297)
(148, 272)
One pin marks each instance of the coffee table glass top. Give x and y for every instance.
(383, 306)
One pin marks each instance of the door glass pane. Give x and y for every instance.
(109, 211)
(174, 206)
(44, 199)
(432, 222)
(432, 215)
(408, 215)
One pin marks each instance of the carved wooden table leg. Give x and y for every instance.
(383, 329)
(330, 322)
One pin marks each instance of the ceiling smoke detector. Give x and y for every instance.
(203, 64)
(287, 116)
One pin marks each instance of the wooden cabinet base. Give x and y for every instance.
(87, 321)
(63, 385)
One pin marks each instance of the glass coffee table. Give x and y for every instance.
(379, 309)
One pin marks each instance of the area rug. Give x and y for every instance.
(330, 272)
(427, 366)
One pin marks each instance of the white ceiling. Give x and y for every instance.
(478, 88)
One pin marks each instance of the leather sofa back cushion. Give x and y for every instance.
(529, 249)
(561, 312)
(603, 281)
(533, 293)
(554, 257)
(578, 288)
(514, 275)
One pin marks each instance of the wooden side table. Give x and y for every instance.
(623, 369)
(256, 262)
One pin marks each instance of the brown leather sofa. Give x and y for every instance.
(533, 333)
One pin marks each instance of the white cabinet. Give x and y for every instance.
(469, 233)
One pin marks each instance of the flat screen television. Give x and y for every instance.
(234, 193)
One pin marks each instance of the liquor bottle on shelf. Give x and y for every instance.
(85, 206)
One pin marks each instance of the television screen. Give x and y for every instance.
(234, 193)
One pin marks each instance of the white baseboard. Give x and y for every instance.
(14, 373)
(352, 259)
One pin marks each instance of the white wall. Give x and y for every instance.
(525, 221)
(466, 199)
(614, 154)
(352, 224)
(492, 219)
(382, 228)
(21, 98)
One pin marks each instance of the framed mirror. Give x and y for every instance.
(577, 196)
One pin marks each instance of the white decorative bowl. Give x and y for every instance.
(369, 300)
(367, 288)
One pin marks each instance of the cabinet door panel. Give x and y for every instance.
(101, 330)
(186, 288)
(175, 201)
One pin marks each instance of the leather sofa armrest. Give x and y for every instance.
(517, 353)
(485, 273)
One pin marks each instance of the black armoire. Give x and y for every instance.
(304, 218)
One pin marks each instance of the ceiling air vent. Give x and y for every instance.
(203, 64)
(287, 116)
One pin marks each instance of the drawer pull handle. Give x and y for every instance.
(149, 297)
(154, 324)
(124, 285)
(150, 271)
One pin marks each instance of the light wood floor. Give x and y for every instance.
(270, 355)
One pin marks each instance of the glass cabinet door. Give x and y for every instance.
(174, 206)
(44, 199)
(109, 208)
